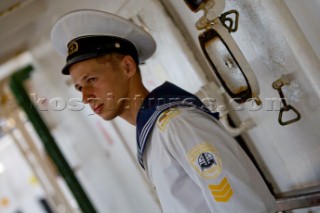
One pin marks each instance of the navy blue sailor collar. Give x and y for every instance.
(160, 99)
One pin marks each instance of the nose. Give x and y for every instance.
(86, 96)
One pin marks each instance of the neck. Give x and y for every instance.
(136, 99)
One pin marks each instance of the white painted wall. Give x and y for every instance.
(307, 16)
(277, 40)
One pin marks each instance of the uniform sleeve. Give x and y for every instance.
(216, 163)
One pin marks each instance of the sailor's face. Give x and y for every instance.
(103, 86)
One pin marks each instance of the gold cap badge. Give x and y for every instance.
(73, 47)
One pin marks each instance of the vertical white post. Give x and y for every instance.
(58, 196)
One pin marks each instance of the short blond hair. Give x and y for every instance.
(113, 59)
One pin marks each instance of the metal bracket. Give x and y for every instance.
(211, 8)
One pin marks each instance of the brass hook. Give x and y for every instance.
(233, 24)
(286, 109)
(277, 85)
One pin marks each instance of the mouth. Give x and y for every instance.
(97, 109)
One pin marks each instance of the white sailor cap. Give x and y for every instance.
(85, 34)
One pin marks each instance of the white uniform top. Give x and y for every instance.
(197, 167)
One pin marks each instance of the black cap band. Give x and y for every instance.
(87, 47)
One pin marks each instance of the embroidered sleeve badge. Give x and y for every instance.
(221, 192)
(205, 159)
(166, 117)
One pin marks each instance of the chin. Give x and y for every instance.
(108, 116)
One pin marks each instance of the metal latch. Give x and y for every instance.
(228, 22)
(277, 85)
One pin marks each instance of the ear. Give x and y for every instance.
(129, 66)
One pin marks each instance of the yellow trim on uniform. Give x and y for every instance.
(224, 199)
(222, 192)
(166, 117)
(223, 183)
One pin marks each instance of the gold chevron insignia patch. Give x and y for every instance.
(222, 192)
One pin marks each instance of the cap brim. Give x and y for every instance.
(65, 69)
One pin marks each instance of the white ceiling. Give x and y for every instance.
(24, 23)
(17, 22)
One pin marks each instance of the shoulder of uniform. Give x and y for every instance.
(166, 117)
